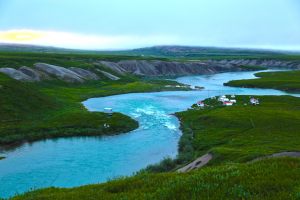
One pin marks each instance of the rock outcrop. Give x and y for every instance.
(87, 75)
(34, 74)
(112, 66)
(61, 73)
(43, 71)
(15, 74)
(109, 75)
(164, 68)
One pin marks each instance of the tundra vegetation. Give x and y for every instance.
(288, 81)
(235, 135)
(52, 108)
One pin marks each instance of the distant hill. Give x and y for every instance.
(31, 48)
(193, 52)
(178, 52)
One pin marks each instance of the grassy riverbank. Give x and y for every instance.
(287, 81)
(243, 132)
(267, 179)
(237, 134)
(33, 111)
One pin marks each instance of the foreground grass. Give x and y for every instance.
(267, 179)
(287, 81)
(33, 111)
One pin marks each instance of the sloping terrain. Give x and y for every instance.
(30, 112)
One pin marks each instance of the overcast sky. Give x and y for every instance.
(119, 24)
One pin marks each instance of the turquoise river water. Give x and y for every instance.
(69, 162)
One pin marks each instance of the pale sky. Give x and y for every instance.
(125, 24)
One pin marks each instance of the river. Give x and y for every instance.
(69, 162)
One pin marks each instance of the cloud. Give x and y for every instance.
(82, 41)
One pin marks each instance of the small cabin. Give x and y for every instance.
(227, 103)
(200, 104)
(221, 98)
(254, 101)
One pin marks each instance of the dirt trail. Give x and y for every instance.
(198, 163)
(203, 160)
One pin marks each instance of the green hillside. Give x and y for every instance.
(47, 109)
(30, 112)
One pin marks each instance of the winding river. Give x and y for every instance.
(68, 162)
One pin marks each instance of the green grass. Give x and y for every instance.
(33, 111)
(236, 134)
(243, 132)
(18, 59)
(287, 81)
(268, 179)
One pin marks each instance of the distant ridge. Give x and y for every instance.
(190, 51)
(157, 51)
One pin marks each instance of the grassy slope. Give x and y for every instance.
(29, 112)
(234, 135)
(52, 109)
(288, 81)
(241, 133)
(48, 109)
(267, 179)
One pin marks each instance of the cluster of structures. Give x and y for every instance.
(227, 101)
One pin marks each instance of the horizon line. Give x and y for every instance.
(249, 48)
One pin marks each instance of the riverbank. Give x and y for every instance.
(35, 111)
(233, 136)
(287, 81)
(243, 132)
(236, 134)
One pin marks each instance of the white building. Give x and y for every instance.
(200, 104)
(227, 103)
(254, 101)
